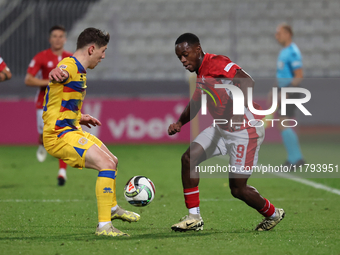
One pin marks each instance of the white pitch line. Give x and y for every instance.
(45, 200)
(39, 201)
(272, 199)
(309, 183)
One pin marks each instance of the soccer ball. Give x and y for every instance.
(139, 191)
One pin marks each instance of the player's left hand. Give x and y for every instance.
(235, 123)
(58, 75)
(174, 128)
(88, 120)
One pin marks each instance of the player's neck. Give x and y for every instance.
(287, 43)
(82, 58)
(57, 52)
(200, 58)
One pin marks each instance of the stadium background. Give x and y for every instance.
(141, 66)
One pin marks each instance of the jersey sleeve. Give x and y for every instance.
(295, 60)
(35, 65)
(2, 64)
(69, 66)
(223, 67)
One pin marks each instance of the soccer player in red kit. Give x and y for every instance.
(5, 73)
(241, 142)
(37, 76)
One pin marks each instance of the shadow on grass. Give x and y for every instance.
(9, 186)
(91, 237)
(155, 235)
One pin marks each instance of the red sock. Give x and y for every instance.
(268, 209)
(192, 197)
(62, 164)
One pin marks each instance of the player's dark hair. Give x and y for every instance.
(57, 27)
(93, 35)
(190, 38)
(288, 28)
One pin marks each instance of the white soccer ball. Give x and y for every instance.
(139, 191)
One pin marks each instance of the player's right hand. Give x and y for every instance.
(58, 75)
(174, 128)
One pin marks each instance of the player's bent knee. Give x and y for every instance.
(106, 150)
(185, 159)
(189, 158)
(237, 192)
(109, 164)
(115, 159)
(98, 159)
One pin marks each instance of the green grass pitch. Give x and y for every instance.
(38, 217)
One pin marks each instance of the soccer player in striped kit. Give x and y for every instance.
(64, 137)
(241, 142)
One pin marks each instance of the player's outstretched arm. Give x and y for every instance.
(58, 75)
(32, 81)
(5, 74)
(187, 115)
(88, 120)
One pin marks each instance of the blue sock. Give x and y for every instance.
(291, 142)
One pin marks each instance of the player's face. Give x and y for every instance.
(57, 39)
(98, 53)
(189, 55)
(281, 35)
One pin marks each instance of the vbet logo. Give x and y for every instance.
(239, 108)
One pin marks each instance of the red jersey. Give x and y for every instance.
(42, 64)
(217, 69)
(2, 64)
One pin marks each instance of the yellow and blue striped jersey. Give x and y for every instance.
(63, 100)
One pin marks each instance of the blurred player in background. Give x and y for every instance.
(289, 73)
(5, 73)
(37, 76)
(64, 137)
(241, 142)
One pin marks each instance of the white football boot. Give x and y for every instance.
(189, 222)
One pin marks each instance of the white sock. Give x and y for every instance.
(273, 215)
(194, 210)
(62, 172)
(102, 224)
(114, 208)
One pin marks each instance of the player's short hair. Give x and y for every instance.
(190, 38)
(288, 28)
(57, 27)
(93, 35)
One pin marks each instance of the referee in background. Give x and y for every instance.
(289, 72)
